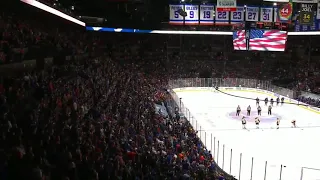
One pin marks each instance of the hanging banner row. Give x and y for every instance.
(208, 14)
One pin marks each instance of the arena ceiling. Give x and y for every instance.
(107, 7)
(130, 13)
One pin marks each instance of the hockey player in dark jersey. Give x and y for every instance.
(238, 111)
(269, 110)
(257, 101)
(282, 101)
(259, 110)
(278, 101)
(271, 101)
(266, 101)
(248, 110)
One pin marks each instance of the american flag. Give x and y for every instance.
(267, 40)
(239, 40)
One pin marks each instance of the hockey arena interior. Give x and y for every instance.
(160, 90)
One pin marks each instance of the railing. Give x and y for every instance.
(233, 161)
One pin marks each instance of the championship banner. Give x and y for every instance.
(192, 14)
(266, 14)
(222, 17)
(252, 14)
(307, 12)
(174, 16)
(207, 14)
(284, 12)
(238, 15)
(226, 5)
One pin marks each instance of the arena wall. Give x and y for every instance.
(244, 89)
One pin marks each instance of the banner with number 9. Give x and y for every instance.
(192, 14)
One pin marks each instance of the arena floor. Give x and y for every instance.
(291, 148)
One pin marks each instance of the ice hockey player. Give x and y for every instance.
(244, 122)
(238, 111)
(269, 110)
(257, 121)
(293, 123)
(282, 101)
(257, 101)
(271, 101)
(248, 110)
(278, 101)
(266, 101)
(259, 110)
(278, 123)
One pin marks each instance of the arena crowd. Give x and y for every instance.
(110, 116)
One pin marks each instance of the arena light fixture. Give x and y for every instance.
(46, 8)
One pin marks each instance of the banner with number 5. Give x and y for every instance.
(237, 16)
(222, 17)
(266, 14)
(174, 16)
(252, 14)
(207, 14)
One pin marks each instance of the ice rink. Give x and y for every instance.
(291, 148)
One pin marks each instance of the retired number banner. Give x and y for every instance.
(174, 16)
(266, 14)
(207, 14)
(252, 14)
(284, 12)
(306, 15)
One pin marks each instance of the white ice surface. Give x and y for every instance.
(292, 148)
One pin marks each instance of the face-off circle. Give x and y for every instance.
(264, 118)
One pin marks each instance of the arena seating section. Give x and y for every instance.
(97, 117)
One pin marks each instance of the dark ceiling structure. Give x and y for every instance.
(133, 13)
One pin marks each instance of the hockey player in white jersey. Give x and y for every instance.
(257, 121)
(244, 122)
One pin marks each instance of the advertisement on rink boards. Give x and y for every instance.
(226, 5)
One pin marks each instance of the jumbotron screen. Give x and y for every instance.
(260, 40)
